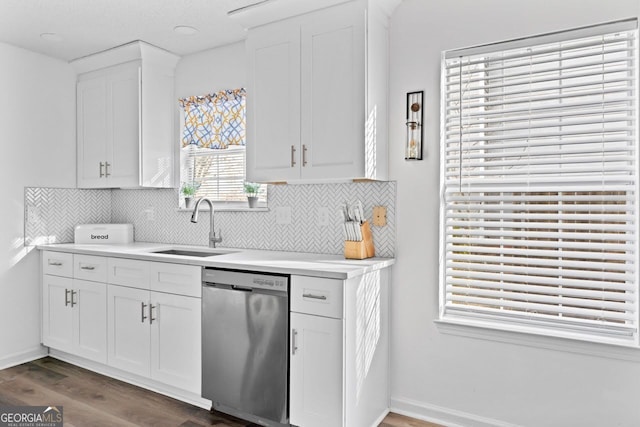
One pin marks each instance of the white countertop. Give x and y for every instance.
(300, 263)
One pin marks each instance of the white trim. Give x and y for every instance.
(146, 383)
(441, 415)
(16, 359)
(530, 339)
(558, 36)
(381, 418)
(226, 208)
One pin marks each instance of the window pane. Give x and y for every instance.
(539, 186)
(220, 173)
(213, 145)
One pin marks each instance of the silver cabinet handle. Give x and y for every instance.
(73, 301)
(66, 297)
(87, 267)
(293, 156)
(101, 166)
(106, 169)
(151, 319)
(312, 296)
(142, 307)
(55, 263)
(304, 155)
(294, 346)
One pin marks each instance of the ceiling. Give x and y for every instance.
(83, 27)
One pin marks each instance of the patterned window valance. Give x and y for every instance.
(216, 120)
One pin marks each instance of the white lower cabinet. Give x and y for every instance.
(155, 335)
(339, 351)
(316, 371)
(75, 317)
(176, 341)
(128, 325)
(57, 315)
(90, 320)
(144, 320)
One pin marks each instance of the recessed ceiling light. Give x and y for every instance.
(184, 30)
(51, 37)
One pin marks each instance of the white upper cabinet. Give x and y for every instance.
(125, 118)
(313, 112)
(273, 110)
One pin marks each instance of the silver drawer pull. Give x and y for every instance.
(55, 263)
(87, 267)
(142, 316)
(66, 297)
(73, 301)
(151, 318)
(294, 344)
(312, 296)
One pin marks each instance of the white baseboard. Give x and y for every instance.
(381, 418)
(16, 359)
(440, 415)
(175, 393)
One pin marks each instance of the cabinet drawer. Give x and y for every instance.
(314, 295)
(128, 272)
(175, 279)
(88, 267)
(57, 263)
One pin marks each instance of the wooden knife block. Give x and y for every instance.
(363, 249)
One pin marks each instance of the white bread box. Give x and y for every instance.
(103, 233)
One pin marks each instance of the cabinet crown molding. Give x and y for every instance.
(136, 50)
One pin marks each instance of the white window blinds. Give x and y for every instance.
(220, 173)
(539, 184)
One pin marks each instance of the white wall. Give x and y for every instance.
(211, 70)
(455, 379)
(37, 133)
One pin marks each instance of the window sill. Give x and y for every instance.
(479, 330)
(224, 208)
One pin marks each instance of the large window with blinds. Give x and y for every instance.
(539, 176)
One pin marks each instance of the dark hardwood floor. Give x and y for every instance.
(90, 399)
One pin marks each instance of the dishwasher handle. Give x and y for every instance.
(229, 287)
(241, 288)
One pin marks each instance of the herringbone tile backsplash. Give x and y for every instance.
(155, 217)
(52, 213)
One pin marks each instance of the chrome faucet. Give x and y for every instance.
(212, 231)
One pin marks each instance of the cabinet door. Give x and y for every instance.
(316, 392)
(128, 329)
(91, 131)
(123, 94)
(57, 318)
(90, 320)
(273, 102)
(333, 93)
(175, 341)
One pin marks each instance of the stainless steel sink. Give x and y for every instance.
(186, 252)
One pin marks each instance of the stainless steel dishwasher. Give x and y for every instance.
(245, 343)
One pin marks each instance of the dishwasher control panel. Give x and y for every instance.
(246, 279)
(271, 282)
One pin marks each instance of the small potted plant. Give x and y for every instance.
(251, 190)
(188, 190)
